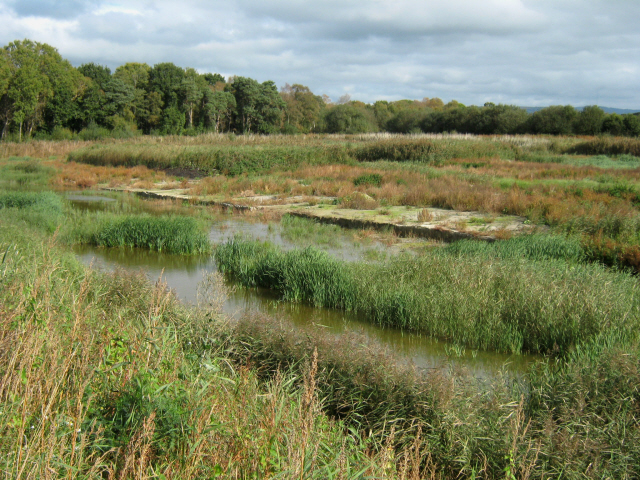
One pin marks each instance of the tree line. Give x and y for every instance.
(43, 95)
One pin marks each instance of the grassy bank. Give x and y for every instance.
(475, 299)
(575, 417)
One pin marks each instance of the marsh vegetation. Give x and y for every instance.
(108, 375)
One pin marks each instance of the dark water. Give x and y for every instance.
(183, 274)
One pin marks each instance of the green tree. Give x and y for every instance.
(67, 85)
(502, 119)
(191, 93)
(136, 75)
(303, 109)
(407, 120)
(5, 80)
(349, 118)
(589, 121)
(631, 125)
(613, 124)
(554, 120)
(91, 104)
(218, 108)
(213, 79)
(259, 108)
(119, 98)
(149, 112)
(25, 92)
(133, 74)
(29, 86)
(166, 79)
(98, 73)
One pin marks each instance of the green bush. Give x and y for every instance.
(374, 179)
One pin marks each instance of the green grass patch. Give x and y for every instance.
(310, 232)
(43, 210)
(532, 247)
(373, 179)
(24, 173)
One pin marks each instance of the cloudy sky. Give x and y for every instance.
(524, 52)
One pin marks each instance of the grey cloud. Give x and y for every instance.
(533, 52)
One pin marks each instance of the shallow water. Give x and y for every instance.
(183, 274)
(341, 245)
(89, 203)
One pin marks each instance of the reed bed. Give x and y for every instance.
(255, 154)
(538, 247)
(474, 300)
(43, 210)
(208, 160)
(608, 146)
(169, 234)
(563, 418)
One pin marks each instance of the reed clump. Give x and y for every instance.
(539, 247)
(107, 376)
(558, 418)
(42, 210)
(478, 300)
(170, 234)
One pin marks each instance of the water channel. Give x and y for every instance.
(183, 274)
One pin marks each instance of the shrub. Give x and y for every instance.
(374, 179)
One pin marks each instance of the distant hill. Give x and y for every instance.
(620, 111)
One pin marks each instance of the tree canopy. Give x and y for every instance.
(41, 93)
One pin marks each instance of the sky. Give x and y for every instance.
(521, 52)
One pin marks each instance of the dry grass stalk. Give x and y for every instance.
(425, 215)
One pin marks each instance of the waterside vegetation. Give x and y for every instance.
(493, 298)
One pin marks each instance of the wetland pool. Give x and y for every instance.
(182, 275)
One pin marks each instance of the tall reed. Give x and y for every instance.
(170, 234)
(510, 304)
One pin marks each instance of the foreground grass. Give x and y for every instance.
(108, 377)
(478, 299)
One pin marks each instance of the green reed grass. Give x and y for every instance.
(465, 426)
(532, 247)
(43, 210)
(228, 159)
(608, 146)
(280, 152)
(102, 379)
(109, 376)
(169, 234)
(24, 173)
(306, 231)
(510, 304)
